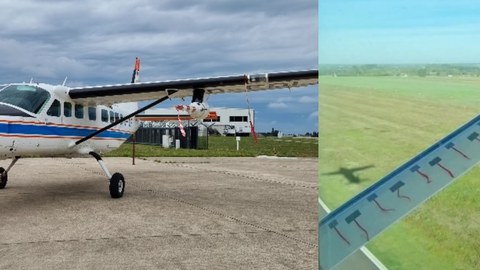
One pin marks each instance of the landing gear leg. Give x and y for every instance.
(4, 173)
(117, 181)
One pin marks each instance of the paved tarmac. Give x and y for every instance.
(177, 213)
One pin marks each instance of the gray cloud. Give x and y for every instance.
(95, 42)
(92, 41)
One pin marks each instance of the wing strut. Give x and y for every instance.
(86, 138)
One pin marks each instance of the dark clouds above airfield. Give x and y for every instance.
(95, 42)
(53, 39)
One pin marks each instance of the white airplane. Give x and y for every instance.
(46, 120)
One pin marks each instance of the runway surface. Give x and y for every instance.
(177, 213)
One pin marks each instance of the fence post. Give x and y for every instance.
(133, 149)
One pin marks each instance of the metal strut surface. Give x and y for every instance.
(366, 215)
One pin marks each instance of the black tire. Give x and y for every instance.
(3, 178)
(117, 185)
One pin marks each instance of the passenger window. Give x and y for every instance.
(92, 113)
(67, 109)
(121, 117)
(104, 115)
(116, 116)
(112, 117)
(79, 111)
(54, 110)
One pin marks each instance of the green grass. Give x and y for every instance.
(226, 147)
(384, 121)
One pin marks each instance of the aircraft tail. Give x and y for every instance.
(136, 71)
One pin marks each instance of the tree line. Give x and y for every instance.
(401, 70)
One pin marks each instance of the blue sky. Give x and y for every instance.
(95, 42)
(398, 32)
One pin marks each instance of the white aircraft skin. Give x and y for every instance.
(46, 120)
(46, 135)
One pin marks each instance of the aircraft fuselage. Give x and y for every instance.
(42, 120)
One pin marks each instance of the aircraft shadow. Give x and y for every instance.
(349, 173)
(38, 195)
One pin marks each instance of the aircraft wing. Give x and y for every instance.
(110, 94)
(361, 168)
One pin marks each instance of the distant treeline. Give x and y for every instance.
(401, 70)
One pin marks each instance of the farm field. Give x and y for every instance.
(379, 123)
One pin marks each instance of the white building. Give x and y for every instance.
(231, 121)
(227, 121)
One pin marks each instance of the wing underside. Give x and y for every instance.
(110, 94)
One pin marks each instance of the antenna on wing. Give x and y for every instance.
(65, 81)
(136, 71)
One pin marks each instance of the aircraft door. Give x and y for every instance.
(54, 112)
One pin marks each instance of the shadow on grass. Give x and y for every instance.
(349, 174)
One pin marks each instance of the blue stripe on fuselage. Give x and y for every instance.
(50, 130)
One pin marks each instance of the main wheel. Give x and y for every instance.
(3, 178)
(117, 185)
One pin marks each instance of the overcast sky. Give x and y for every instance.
(398, 32)
(95, 42)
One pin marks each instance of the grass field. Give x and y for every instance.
(227, 147)
(383, 122)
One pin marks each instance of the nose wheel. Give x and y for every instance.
(4, 173)
(3, 178)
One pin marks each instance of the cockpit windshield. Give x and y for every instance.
(28, 97)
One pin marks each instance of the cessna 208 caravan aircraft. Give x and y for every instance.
(55, 120)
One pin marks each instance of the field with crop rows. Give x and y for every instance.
(378, 123)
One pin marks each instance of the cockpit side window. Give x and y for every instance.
(28, 97)
(54, 109)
